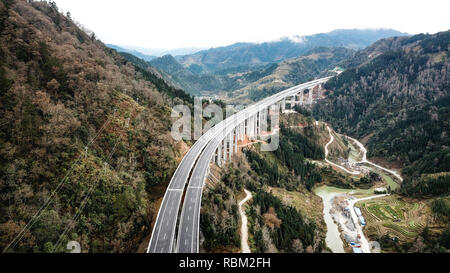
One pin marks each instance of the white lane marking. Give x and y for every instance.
(193, 224)
(159, 229)
(251, 108)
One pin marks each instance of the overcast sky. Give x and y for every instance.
(210, 23)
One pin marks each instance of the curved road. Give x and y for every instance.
(244, 229)
(332, 163)
(190, 215)
(363, 160)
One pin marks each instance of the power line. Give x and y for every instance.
(83, 204)
(33, 219)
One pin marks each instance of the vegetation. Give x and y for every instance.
(306, 67)
(427, 185)
(404, 225)
(294, 148)
(250, 54)
(401, 98)
(219, 220)
(62, 91)
(286, 224)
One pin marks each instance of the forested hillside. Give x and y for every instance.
(397, 92)
(251, 71)
(85, 146)
(254, 83)
(291, 72)
(275, 225)
(257, 54)
(185, 79)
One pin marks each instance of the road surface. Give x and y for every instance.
(364, 160)
(190, 215)
(365, 246)
(244, 229)
(332, 163)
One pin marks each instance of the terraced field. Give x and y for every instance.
(394, 216)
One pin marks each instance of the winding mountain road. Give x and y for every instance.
(363, 160)
(332, 163)
(244, 228)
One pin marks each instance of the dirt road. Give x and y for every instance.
(334, 164)
(244, 229)
(364, 160)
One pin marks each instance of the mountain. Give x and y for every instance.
(291, 72)
(252, 54)
(244, 68)
(85, 146)
(133, 52)
(253, 83)
(396, 94)
(159, 52)
(185, 79)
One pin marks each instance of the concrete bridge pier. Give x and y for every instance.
(236, 136)
(219, 155)
(230, 145)
(293, 101)
(224, 149)
(255, 126)
(250, 127)
(241, 131)
(311, 95)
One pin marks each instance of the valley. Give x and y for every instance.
(333, 142)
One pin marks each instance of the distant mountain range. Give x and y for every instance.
(290, 72)
(246, 68)
(156, 52)
(254, 54)
(133, 52)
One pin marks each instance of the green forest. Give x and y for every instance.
(292, 226)
(401, 99)
(83, 138)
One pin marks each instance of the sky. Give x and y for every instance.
(169, 24)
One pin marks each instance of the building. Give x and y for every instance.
(380, 190)
(362, 221)
(357, 250)
(358, 211)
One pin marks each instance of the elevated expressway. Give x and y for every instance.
(215, 146)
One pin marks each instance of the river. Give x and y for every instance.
(333, 237)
